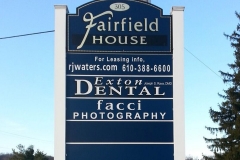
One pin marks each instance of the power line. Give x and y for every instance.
(30, 34)
(54, 31)
(25, 136)
(202, 62)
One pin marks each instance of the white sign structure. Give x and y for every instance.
(60, 82)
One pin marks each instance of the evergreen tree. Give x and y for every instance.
(228, 116)
(39, 155)
(28, 154)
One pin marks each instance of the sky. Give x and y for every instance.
(27, 69)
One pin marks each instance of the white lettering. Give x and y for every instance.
(133, 38)
(138, 26)
(154, 24)
(84, 115)
(162, 114)
(143, 40)
(100, 89)
(123, 23)
(154, 115)
(90, 25)
(75, 114)
(98, 79)
(95, 39)
(115, 90)
(93, 115)
(118, 106)
(157, 92)
(145, 115)
(113, 38)
(129, 106)
(145, 90)
(79, 87)
(101, 26)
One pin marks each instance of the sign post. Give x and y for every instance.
(178, 81)
(120, 95)
(59, 81)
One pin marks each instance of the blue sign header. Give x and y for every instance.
(113, 26)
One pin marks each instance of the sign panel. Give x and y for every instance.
(119, 82)
(123, 64)
(115, 26)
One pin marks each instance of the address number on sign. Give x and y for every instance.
(119, 6)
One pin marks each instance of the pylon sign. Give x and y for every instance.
(119, 82)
